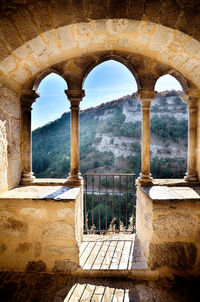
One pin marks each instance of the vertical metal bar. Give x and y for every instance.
(86, 203)
(120, 190)
(99, 202)
(126, 202)
(92, 200)
(106, 202)
(133, 202)
(113, 183)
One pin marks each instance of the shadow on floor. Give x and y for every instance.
(29, 287)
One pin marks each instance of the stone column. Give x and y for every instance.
(27, 101)
(75, 97)
(145, 98)
(191, 100)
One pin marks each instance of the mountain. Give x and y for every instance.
(110, 136)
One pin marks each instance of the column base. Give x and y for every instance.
(27, 177)
(145, 179)
(191, 177)
(74, 180)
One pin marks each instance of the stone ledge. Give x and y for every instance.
(48, 182)
(36, 193)
(170, 194)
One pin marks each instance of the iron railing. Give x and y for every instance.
(109, 203)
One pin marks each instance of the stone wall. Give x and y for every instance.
(10, 135)
(168, 228)
(39, 233)
(198, 141)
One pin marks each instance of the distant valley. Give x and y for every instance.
(110, 136)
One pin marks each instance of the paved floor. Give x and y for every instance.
(29, 287)
(111, 252)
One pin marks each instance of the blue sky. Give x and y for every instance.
(108, 81)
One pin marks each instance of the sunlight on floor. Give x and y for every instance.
(88, 292)
(112, 252)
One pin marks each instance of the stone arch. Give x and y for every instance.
(179, 77)
(43, 75)
(166, 45)
(116, 58)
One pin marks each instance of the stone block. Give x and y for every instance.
(64, 265)
(197, 235)
(100, 25)
(62, 12)
(8, 64)
(65, 35)
(41, 15)
(15, 148)
(24, 247)
(175, 255)
(11, 227)
(3, 247)
(65, 212)
(57, 250)
(57, 229)
(148, 220)
(3, 147)
(37, 46)
(37, 249)
(10, 33)
(9, 104)
(24, 24)
(36, 266)
(33, 212)
(174, 224)
(16, 172)
(3, 51)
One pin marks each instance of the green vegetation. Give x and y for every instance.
(169, 128)
(111, 212)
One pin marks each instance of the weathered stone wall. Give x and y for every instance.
(169, 229)
(37, 234)
(198, 141)
(10, 135)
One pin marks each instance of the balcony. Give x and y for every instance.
(109, 224)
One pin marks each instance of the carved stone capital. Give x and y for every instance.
(27, 99)
(147, 94)
(191, 100)
(75, 97)
(146, 97)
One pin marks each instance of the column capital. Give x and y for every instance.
(75, 96)
(28, 98)
(191, 100)
(147, 94)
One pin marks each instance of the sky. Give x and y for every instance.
(106, 82)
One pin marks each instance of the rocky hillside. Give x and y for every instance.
(110, 139)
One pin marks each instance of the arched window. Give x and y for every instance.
(169, 119)
(107, 140)
(51, 129)
(110, 147)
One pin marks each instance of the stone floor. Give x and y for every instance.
(21, 287)
(111, 252)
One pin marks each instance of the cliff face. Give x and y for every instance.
(110, 136)
(171, 108)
